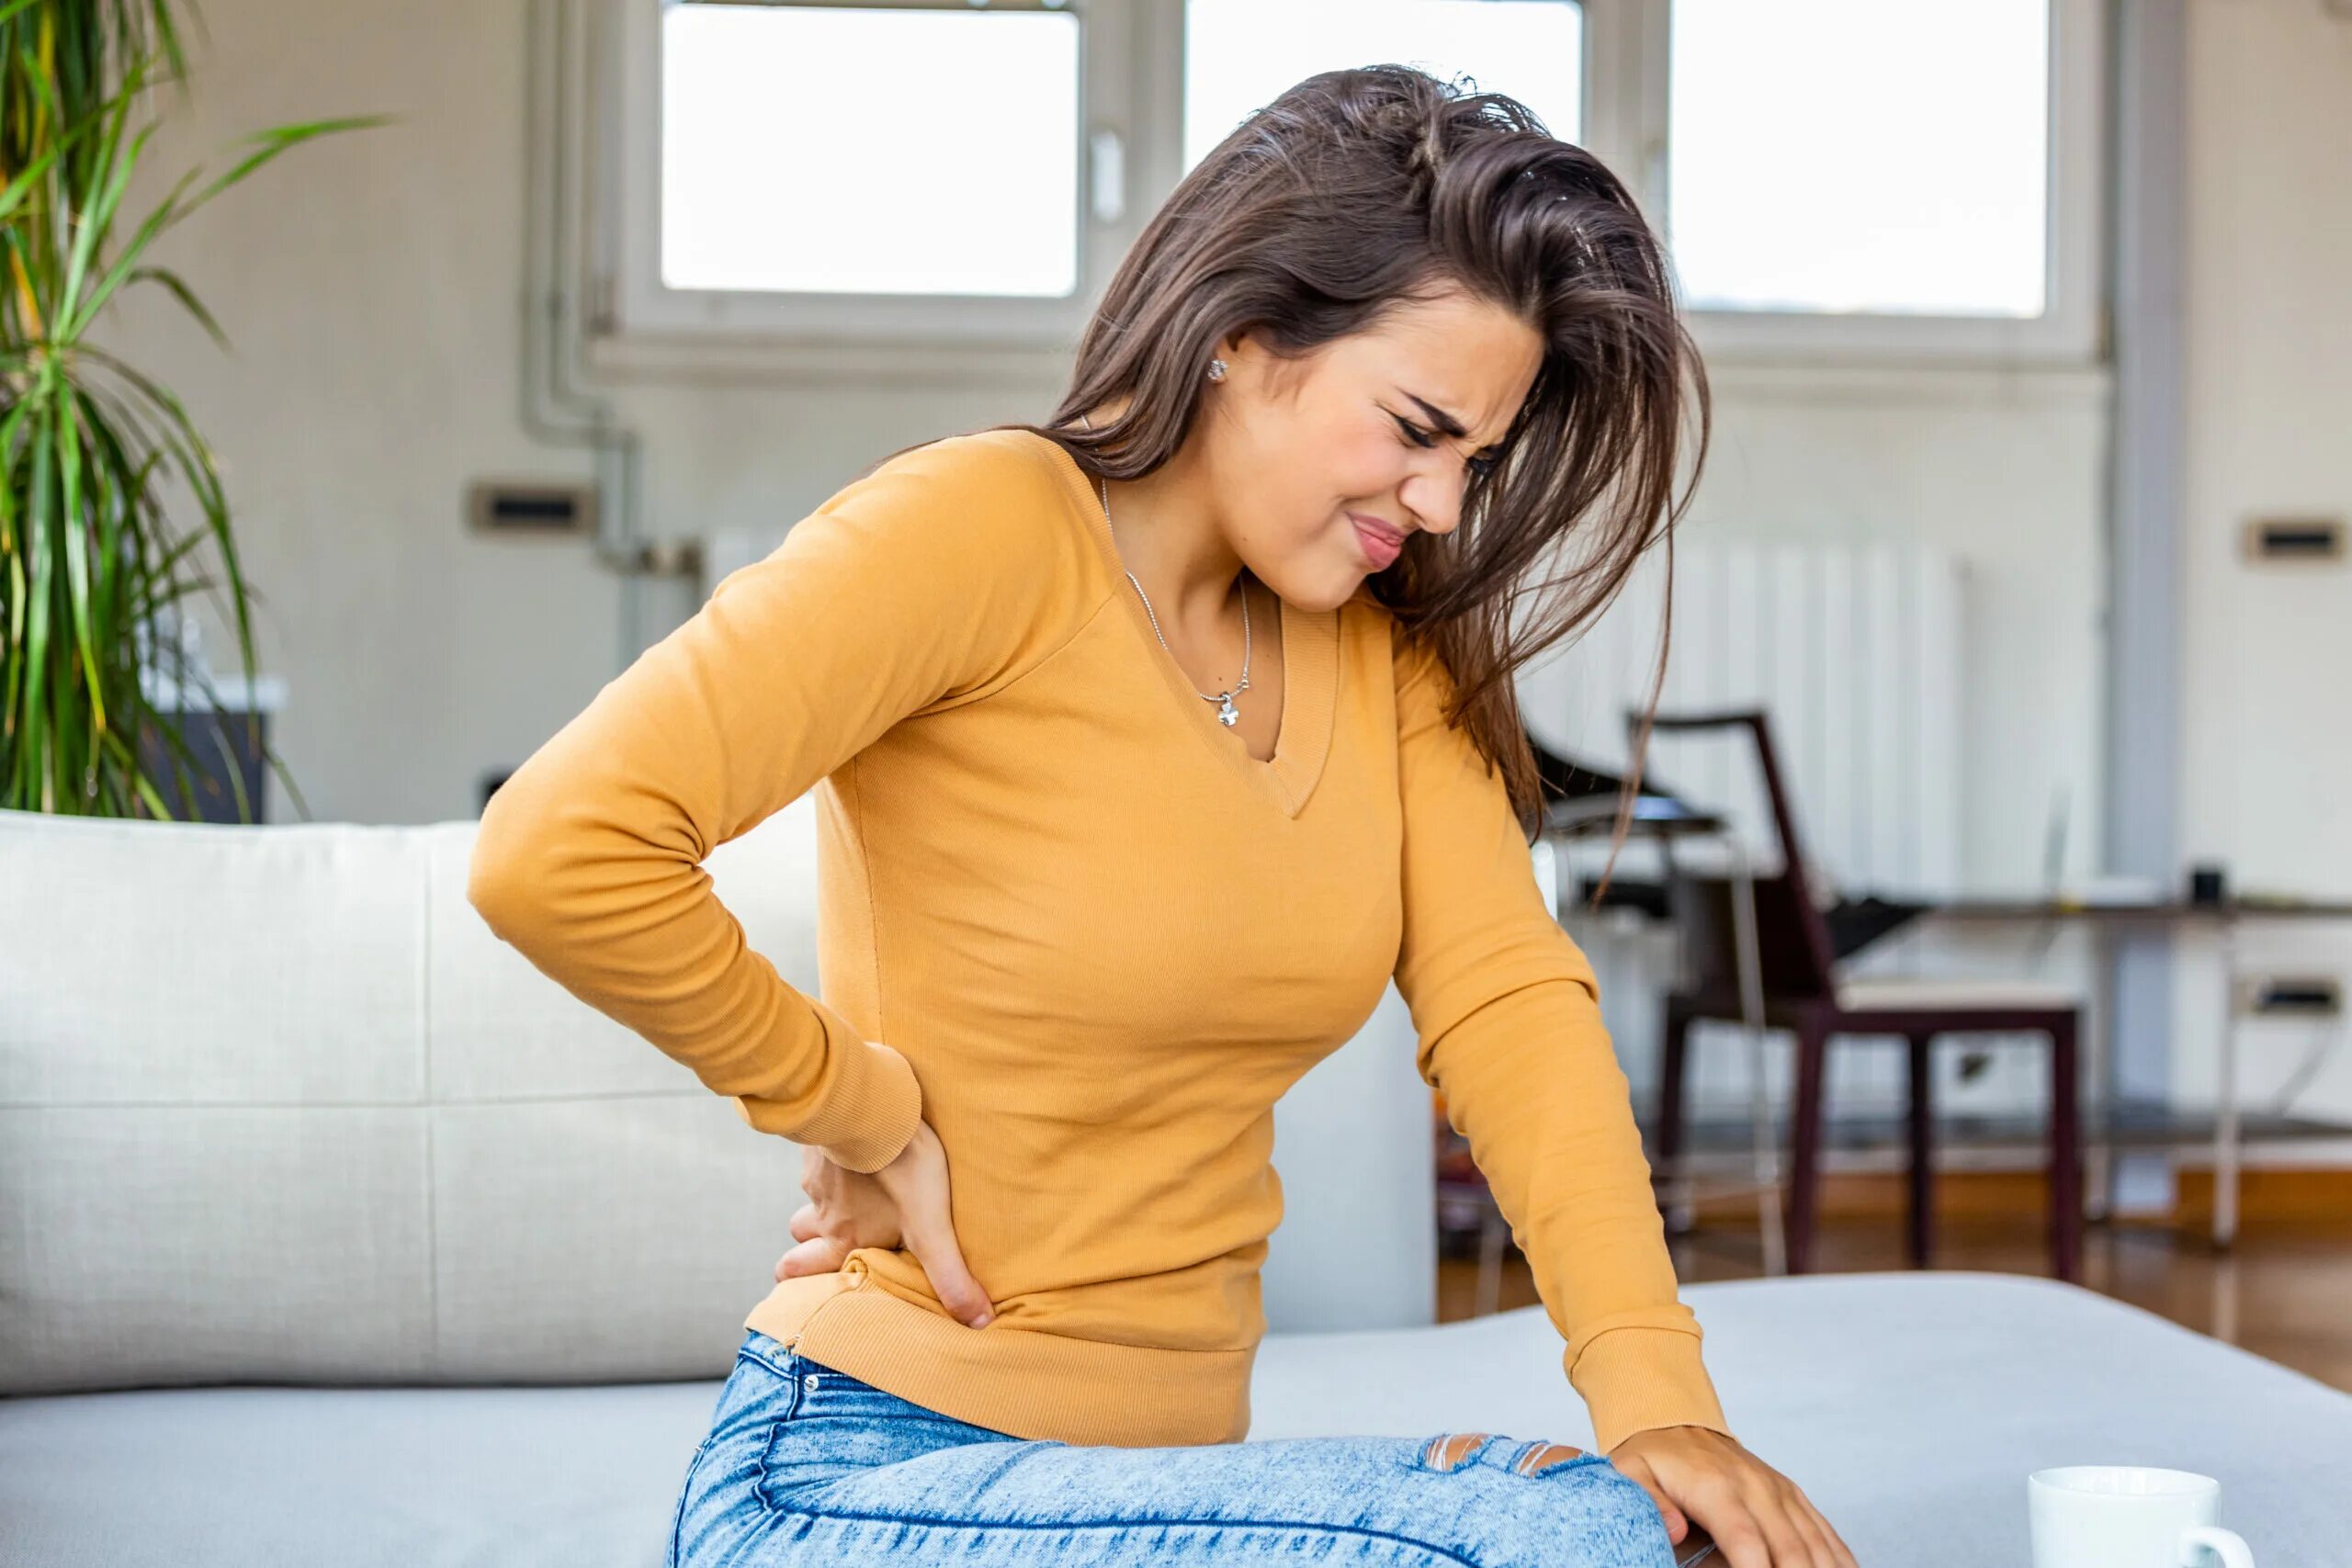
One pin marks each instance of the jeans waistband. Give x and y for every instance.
(786, 1362)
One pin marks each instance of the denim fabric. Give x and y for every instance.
(804, 1464)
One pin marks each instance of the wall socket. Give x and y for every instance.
(2282, 541)
(2291, 996)
(517, 506)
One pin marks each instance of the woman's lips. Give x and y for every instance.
(1380, 544)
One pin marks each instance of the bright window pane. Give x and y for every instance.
(1855, 155)
(872, 152)
(1241, 55)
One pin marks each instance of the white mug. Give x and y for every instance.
(2127, 1516)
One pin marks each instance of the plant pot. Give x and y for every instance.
(227, 738)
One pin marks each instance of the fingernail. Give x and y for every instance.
(983, 1320)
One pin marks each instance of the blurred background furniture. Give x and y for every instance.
(1802, 994)
(2113, 1122)
(1582, 802)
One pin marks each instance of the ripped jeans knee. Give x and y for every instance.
(1450, 1451)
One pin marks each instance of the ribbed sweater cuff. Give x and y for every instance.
(868, 1112)
(1634, 1379)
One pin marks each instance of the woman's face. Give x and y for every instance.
(1318, 466)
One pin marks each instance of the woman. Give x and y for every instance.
(1381, 352)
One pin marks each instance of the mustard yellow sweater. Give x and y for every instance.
(1098, 937)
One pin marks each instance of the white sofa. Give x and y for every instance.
(330, 1233)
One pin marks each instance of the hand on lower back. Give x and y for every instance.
(904, 1206)
(846, 1210)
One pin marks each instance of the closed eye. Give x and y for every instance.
(1482, 466)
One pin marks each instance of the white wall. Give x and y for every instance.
(2002, 469)
(372, 286)
(2268, 732)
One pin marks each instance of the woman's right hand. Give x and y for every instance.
(903, 1205)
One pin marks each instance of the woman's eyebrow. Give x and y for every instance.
(1447, 422)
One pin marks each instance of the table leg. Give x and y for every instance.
(2225, 1124)
(2098, 1154)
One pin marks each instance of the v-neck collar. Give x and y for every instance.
(1310, 670)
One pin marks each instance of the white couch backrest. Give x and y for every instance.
(276, 1106)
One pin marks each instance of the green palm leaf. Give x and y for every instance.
(96, 564)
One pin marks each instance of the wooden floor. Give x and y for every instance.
(2282, 1291)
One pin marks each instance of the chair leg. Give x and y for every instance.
(1493, 1231)
(1920, 1240)
(1672, 1077)
(2065, 1157)
(1804, 1152)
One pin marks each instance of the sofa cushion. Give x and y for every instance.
(1910, 1407)
(275, 1105)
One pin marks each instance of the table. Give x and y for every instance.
(2105, 918)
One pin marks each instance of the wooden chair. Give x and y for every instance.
(1803, 995)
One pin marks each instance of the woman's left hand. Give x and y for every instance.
(1757, 1514)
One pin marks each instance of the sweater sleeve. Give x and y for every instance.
(1506, 1011)
(914, 587)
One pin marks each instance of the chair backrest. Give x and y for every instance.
(276, 1106)
(1701, 907)
(1795, 957)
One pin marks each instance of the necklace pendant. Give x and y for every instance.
(1227, 714)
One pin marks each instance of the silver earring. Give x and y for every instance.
(1217, 369)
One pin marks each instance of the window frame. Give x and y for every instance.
(2070, 331)
(635, 303)
(1130, 105)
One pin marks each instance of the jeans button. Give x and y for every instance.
(809, 1381)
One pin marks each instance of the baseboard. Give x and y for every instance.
(1875, 1195)
(2267, 1195)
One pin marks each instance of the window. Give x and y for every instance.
(1239, 54)
(947, 163)
(934, 185)
(834, 178)
(1847, 174)
(1852, 155)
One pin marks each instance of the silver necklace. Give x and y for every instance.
(1227, 714)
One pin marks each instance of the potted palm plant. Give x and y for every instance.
(99, 562)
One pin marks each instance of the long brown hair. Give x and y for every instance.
(1359, 191)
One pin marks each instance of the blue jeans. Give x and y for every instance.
(804, 1464)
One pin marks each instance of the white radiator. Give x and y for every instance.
(1855, 653)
